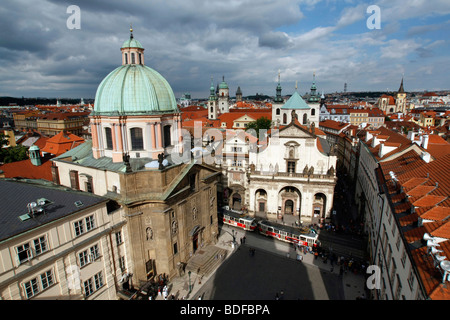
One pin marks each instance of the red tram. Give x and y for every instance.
(302, 236)
(236, 219)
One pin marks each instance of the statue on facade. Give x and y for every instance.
(126, 161)
(160, 161)
(305, 170)
(330, 171)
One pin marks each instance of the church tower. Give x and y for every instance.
(238, 94)
(400, 101)
(224, 96)
(212, 103)
(278, 98)
(313, 96)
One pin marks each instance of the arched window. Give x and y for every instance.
(126, 58)
(278, 111)
(313, 112)
(305, 118)
(137, 139)
(140, 58)
(284, 118)
(108, 136)
(167, 141)
(132, 58)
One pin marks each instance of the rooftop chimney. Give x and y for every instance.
(425, 141)
(425, 157)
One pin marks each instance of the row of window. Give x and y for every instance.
(137, 138)
(133, 58)
(47, 279)
(278, 112)
(38, 284)
(27, 251)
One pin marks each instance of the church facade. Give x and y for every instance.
(293, 175)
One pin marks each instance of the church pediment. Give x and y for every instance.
(293, 130)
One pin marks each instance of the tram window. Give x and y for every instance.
(270, 229)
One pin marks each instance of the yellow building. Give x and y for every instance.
(358, 116)
(52, 123)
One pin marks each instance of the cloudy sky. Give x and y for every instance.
(246, 41)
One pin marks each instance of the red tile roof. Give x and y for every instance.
(62, 142)
(25, 169)
(428, 186)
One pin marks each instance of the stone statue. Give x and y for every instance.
(293, 115)
(160, 161)
(330, 171)
(149, 233)
(305, 170)
(126, 161)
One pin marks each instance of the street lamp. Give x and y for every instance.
(190, 287)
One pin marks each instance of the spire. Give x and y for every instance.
(278, 97)
(131, 31)
(296, 86)
(401, 90)
(211, 89)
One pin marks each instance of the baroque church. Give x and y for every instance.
(168, 207)
(293, 174)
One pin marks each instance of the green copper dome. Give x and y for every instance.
(132, 43)
(223, 84)
(134, 89)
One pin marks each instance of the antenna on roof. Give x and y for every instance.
(440, 262)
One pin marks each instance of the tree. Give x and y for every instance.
(11, 154)
(260, 124)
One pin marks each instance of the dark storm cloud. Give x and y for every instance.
(275, 40)
(187, 41)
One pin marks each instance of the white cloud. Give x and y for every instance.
(398, 49)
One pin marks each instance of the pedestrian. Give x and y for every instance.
(244, 239)
(277, 297)
(165, 292)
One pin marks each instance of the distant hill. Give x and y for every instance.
(5, 101)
